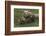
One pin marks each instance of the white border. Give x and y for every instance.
(25, 28)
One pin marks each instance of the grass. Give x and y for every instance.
(33, 24)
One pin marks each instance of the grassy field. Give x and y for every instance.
(18, 13)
